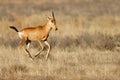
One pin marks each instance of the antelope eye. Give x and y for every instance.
(52, 21)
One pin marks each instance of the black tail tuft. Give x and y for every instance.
(12, 27)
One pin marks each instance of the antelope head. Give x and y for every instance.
(52, 21)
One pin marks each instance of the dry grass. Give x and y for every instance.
(85, 47)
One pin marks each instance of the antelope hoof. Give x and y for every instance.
(32, 59)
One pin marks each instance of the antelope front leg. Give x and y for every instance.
(48, 49)
(42, 47)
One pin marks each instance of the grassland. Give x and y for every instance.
(85, 47)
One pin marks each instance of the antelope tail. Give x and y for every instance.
(14, 28)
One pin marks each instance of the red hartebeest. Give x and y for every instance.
(38, 33)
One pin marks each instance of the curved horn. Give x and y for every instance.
(52, 14)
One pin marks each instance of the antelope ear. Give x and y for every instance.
(48, 18)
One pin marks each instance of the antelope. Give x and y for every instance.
(38, 33)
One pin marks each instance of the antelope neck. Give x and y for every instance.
(48, 27)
